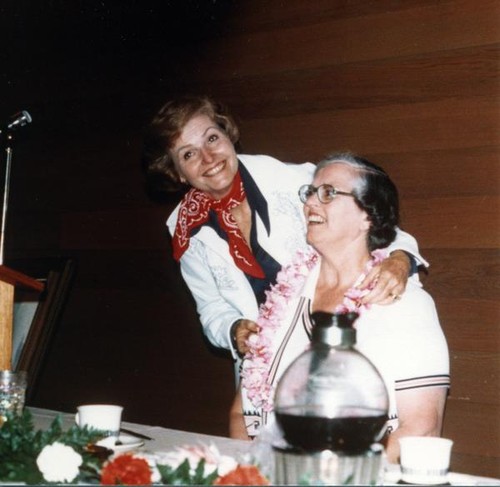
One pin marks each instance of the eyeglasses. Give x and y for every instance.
(326, 193)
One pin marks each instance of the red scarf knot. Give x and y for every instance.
(194, 211)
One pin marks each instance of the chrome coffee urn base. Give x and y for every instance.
(327, 467)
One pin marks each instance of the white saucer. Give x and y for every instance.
(128, 443)
(125, 443)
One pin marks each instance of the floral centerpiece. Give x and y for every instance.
(71, 456)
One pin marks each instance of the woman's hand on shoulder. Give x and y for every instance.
(389, 279)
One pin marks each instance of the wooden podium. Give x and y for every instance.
(9, 280)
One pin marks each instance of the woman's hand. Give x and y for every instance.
(241, 333)
(389, 279)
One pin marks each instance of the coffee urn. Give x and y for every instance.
(331, 408)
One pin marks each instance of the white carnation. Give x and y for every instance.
(59, 463)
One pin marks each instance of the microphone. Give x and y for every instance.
(19, 119)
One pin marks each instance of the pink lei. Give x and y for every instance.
(289, 283)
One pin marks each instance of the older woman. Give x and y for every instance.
(240, 220)
(352, 211)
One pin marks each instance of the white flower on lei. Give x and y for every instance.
(59, 463)
(193, 454)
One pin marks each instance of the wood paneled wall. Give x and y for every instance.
(412, 85)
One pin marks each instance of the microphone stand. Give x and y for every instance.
(17, 120)
(8, 165)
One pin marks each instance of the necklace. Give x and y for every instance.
(289, 283)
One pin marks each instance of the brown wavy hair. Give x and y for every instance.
(157, 162)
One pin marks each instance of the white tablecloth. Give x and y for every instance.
(165, 439)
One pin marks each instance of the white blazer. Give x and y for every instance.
(220, 289)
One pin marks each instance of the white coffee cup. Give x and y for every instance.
(425, 459)
(104, 417)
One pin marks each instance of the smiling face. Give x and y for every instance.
(205, 157)
(341, 222)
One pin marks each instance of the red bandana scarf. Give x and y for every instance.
(194, 211)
